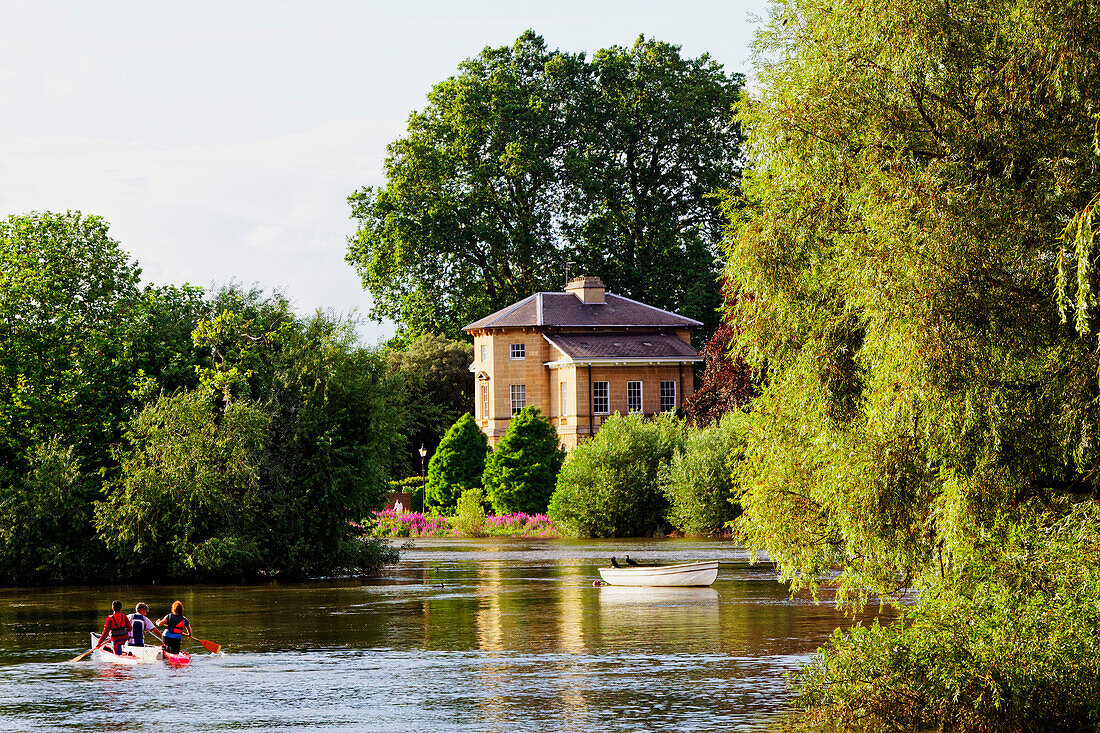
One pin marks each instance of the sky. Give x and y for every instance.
(220, 140)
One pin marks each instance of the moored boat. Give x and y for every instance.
(684, 574)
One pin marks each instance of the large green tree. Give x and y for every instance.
(915, 169)
(68, 294)
(434, 373)
(529, 158)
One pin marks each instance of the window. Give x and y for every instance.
(519, 398)
(600, 403)
(485, 400)
(668, 395)
(561, 399)
(518, 351)
(633, 396)
(484, 352)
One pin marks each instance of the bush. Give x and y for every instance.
(520, 525)
(389, 523)
(189, 494)
(700, 483)
(609, 486)
(469, 518)
(46, 529)
(457, 465)
(521, 472)
(1010, 645)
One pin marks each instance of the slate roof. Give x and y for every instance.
(656, 346)
(566, 309)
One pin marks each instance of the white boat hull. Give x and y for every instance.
(682, 575)
(139, 654)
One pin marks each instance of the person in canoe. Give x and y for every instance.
(116, 627)
(175, 626)
(139, 624)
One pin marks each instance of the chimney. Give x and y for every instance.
(589, 289)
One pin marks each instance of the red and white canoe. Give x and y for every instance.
(682, 575)
(137, 654)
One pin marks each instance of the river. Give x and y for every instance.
(462, 635)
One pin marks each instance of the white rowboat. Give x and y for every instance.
(684, 574)
(138, 654)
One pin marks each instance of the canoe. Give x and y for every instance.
(138, 654)
(106, 654)
(684, 574)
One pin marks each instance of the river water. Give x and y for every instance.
(462, 635)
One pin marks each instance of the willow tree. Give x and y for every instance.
(916, 169)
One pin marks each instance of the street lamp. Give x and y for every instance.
(423, 452)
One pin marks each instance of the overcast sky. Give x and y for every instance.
(220, 140)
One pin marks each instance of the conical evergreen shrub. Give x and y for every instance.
(456, 466)
(521, 473)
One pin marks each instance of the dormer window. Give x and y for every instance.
(518, 351)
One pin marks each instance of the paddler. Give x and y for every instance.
(117, 627)
(175, 626)
(139, 624)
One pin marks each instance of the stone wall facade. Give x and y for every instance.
(563, 392)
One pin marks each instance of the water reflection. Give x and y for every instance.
(463, 635)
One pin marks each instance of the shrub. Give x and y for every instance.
(520, 525)
(46, 528)
(521, 472)
(1009, 644)
(700, 483)
(469, 518)
(389, 523)
(609, 486)
(457, 464)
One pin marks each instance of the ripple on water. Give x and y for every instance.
(516, 639)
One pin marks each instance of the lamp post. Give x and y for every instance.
(423, 452)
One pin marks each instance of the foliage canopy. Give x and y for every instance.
(609, 485)
(914, 169)
(530, 158)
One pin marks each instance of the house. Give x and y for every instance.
(579, 356)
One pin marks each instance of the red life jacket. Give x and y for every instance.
(119, 626)
(175, 624)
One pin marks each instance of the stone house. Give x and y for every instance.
(579, 356)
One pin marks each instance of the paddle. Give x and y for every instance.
(208, 645)
(78, 658)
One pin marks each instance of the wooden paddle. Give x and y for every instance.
(208, 645)
(81, 656)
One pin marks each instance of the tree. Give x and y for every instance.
(530, 158)
(608, 486)
(437, 389)
(262, 467)
(701, 483)
(660, 143)
(46, 529)
(457, 464)
(521, 472)
(67, 297)
(727, 382)
(915, 168)
(188, 499)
